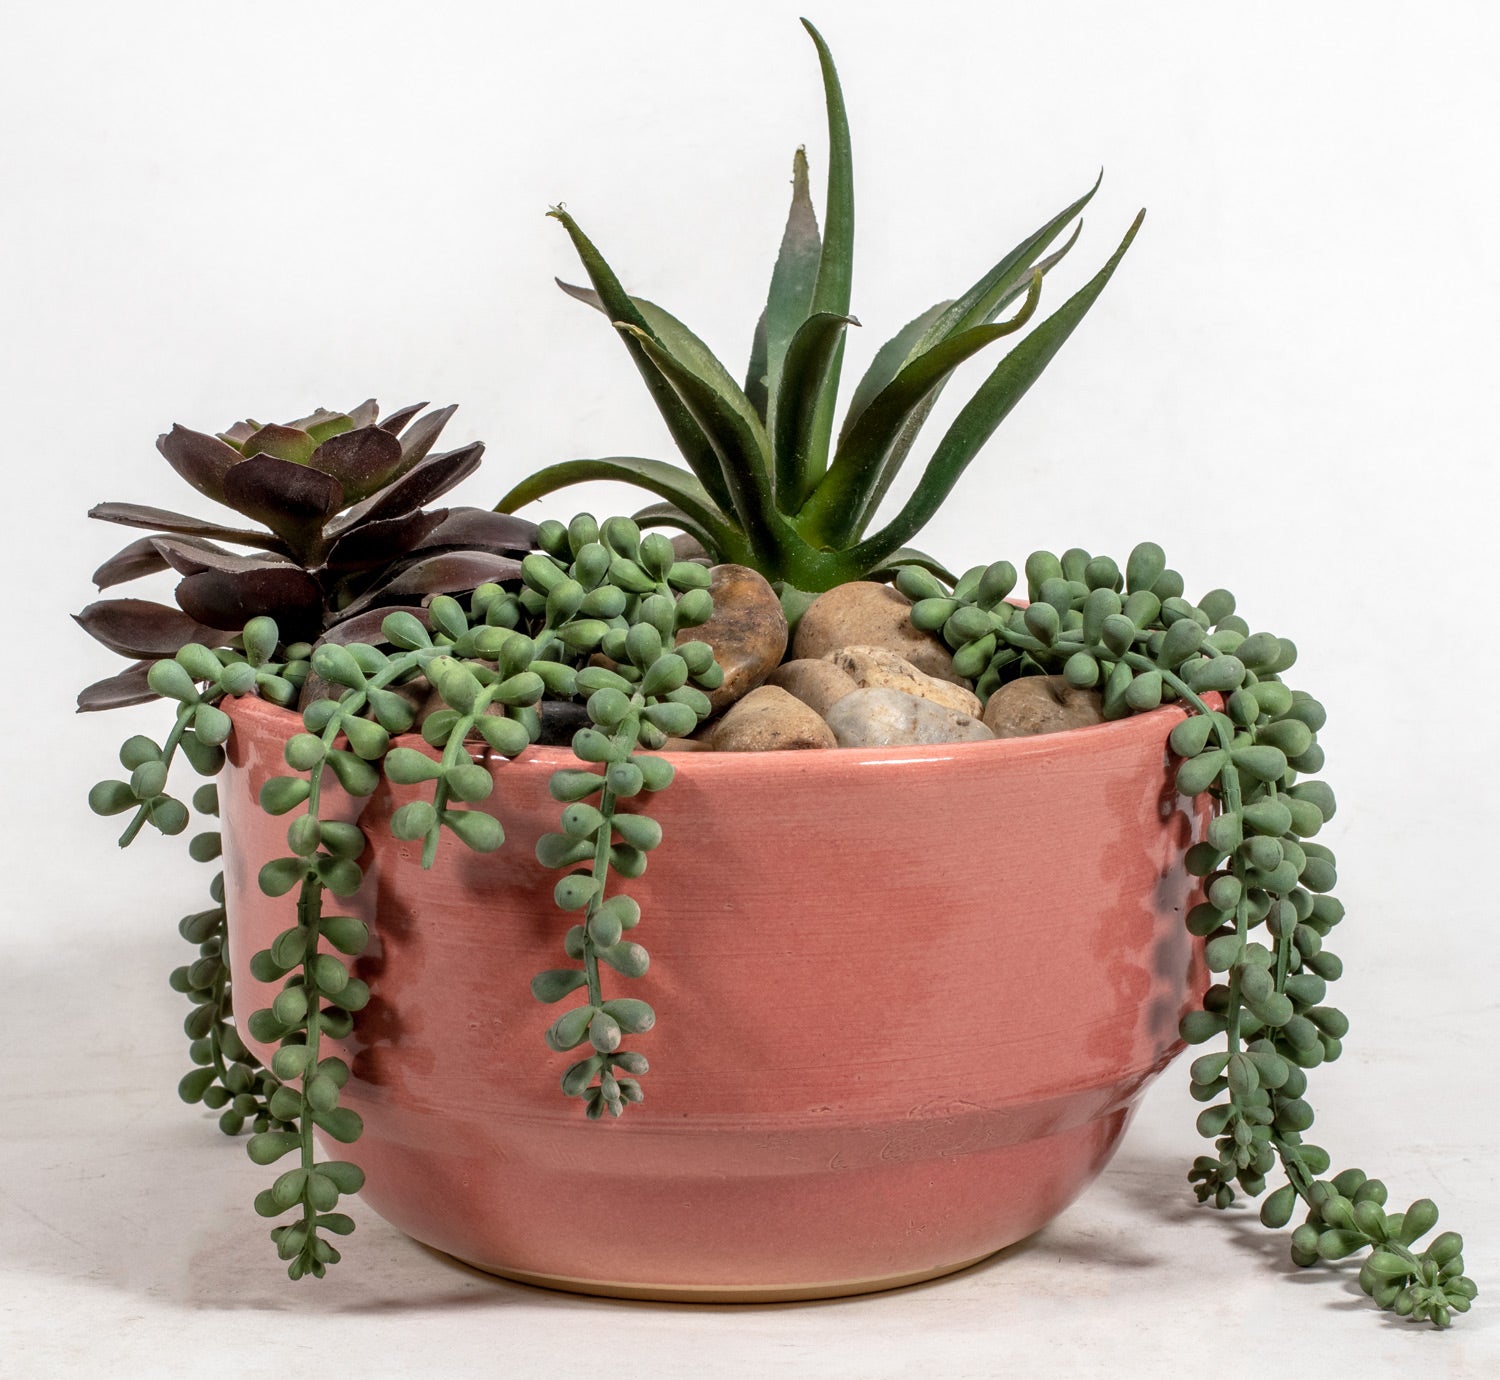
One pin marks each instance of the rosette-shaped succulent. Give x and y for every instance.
(343, 535)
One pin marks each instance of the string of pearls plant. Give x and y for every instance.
(594, 595)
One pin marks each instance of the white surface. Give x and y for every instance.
(213, 210)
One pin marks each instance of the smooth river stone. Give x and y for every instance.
(748, 631)
(879, 668)
(865, 614)
(891, 718)
(1041, 704)
(818, 684)
(768, 719)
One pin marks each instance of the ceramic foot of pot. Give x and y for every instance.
(666, 1293)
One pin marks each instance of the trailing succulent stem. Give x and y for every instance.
(1267, 907)
(605, 595)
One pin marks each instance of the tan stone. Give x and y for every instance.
(768, 719)
(879, 717)
(818, 684)
(877, 668)
(865, 614)
(748, 631)
(1041, 704)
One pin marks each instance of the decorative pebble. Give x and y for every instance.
(1041, 704)
(768, 719)
(865, 614)
(889, 718)
(818, 684)
(748, 631)
(877, 668)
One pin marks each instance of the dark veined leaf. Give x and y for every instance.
(479, 529)
(362, 461)
(292, 500)
(130, 562)
(366, 626)
(687, 433)
(365, 414)
(189, 556)
(805, 379)
(202, 460)
(790, 298)
(383, 540)
(452, 572)
(420, 437)
(162, 520)
(115, 692)
(393, 422)
(138, 628)
(989, 406)
(230, 599)
(833, 514)
(424, 482)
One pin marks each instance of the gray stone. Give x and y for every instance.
(879, 668)
(890, 718)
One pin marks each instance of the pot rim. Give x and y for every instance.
(1152, 725)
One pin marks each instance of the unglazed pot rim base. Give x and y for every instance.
(668, 1293)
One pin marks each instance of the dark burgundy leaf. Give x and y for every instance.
(433, 477)
(479, 529)
(162, 520)
(232, 598)
(202, 460)
(115, 692)
(422, 434)
(383, 542)
(292, 500)
(362, 461)
(189, 556)
(451, 573)
(365, 627)
(284, 442)
(400, 418)
(366, 414)
(129, 563)
(139, 628)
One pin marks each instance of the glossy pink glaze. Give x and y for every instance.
(907, 999)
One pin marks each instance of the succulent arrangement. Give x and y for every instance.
(373, 617)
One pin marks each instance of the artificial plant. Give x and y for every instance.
(596, 618)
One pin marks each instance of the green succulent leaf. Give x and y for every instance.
(977, 421)
(790, 299)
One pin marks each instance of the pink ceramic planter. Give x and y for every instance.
(907, 1001)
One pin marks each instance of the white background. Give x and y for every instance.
(211, 211)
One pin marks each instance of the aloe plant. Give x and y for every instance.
(767, 483)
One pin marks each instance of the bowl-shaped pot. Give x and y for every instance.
(907, 1001)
